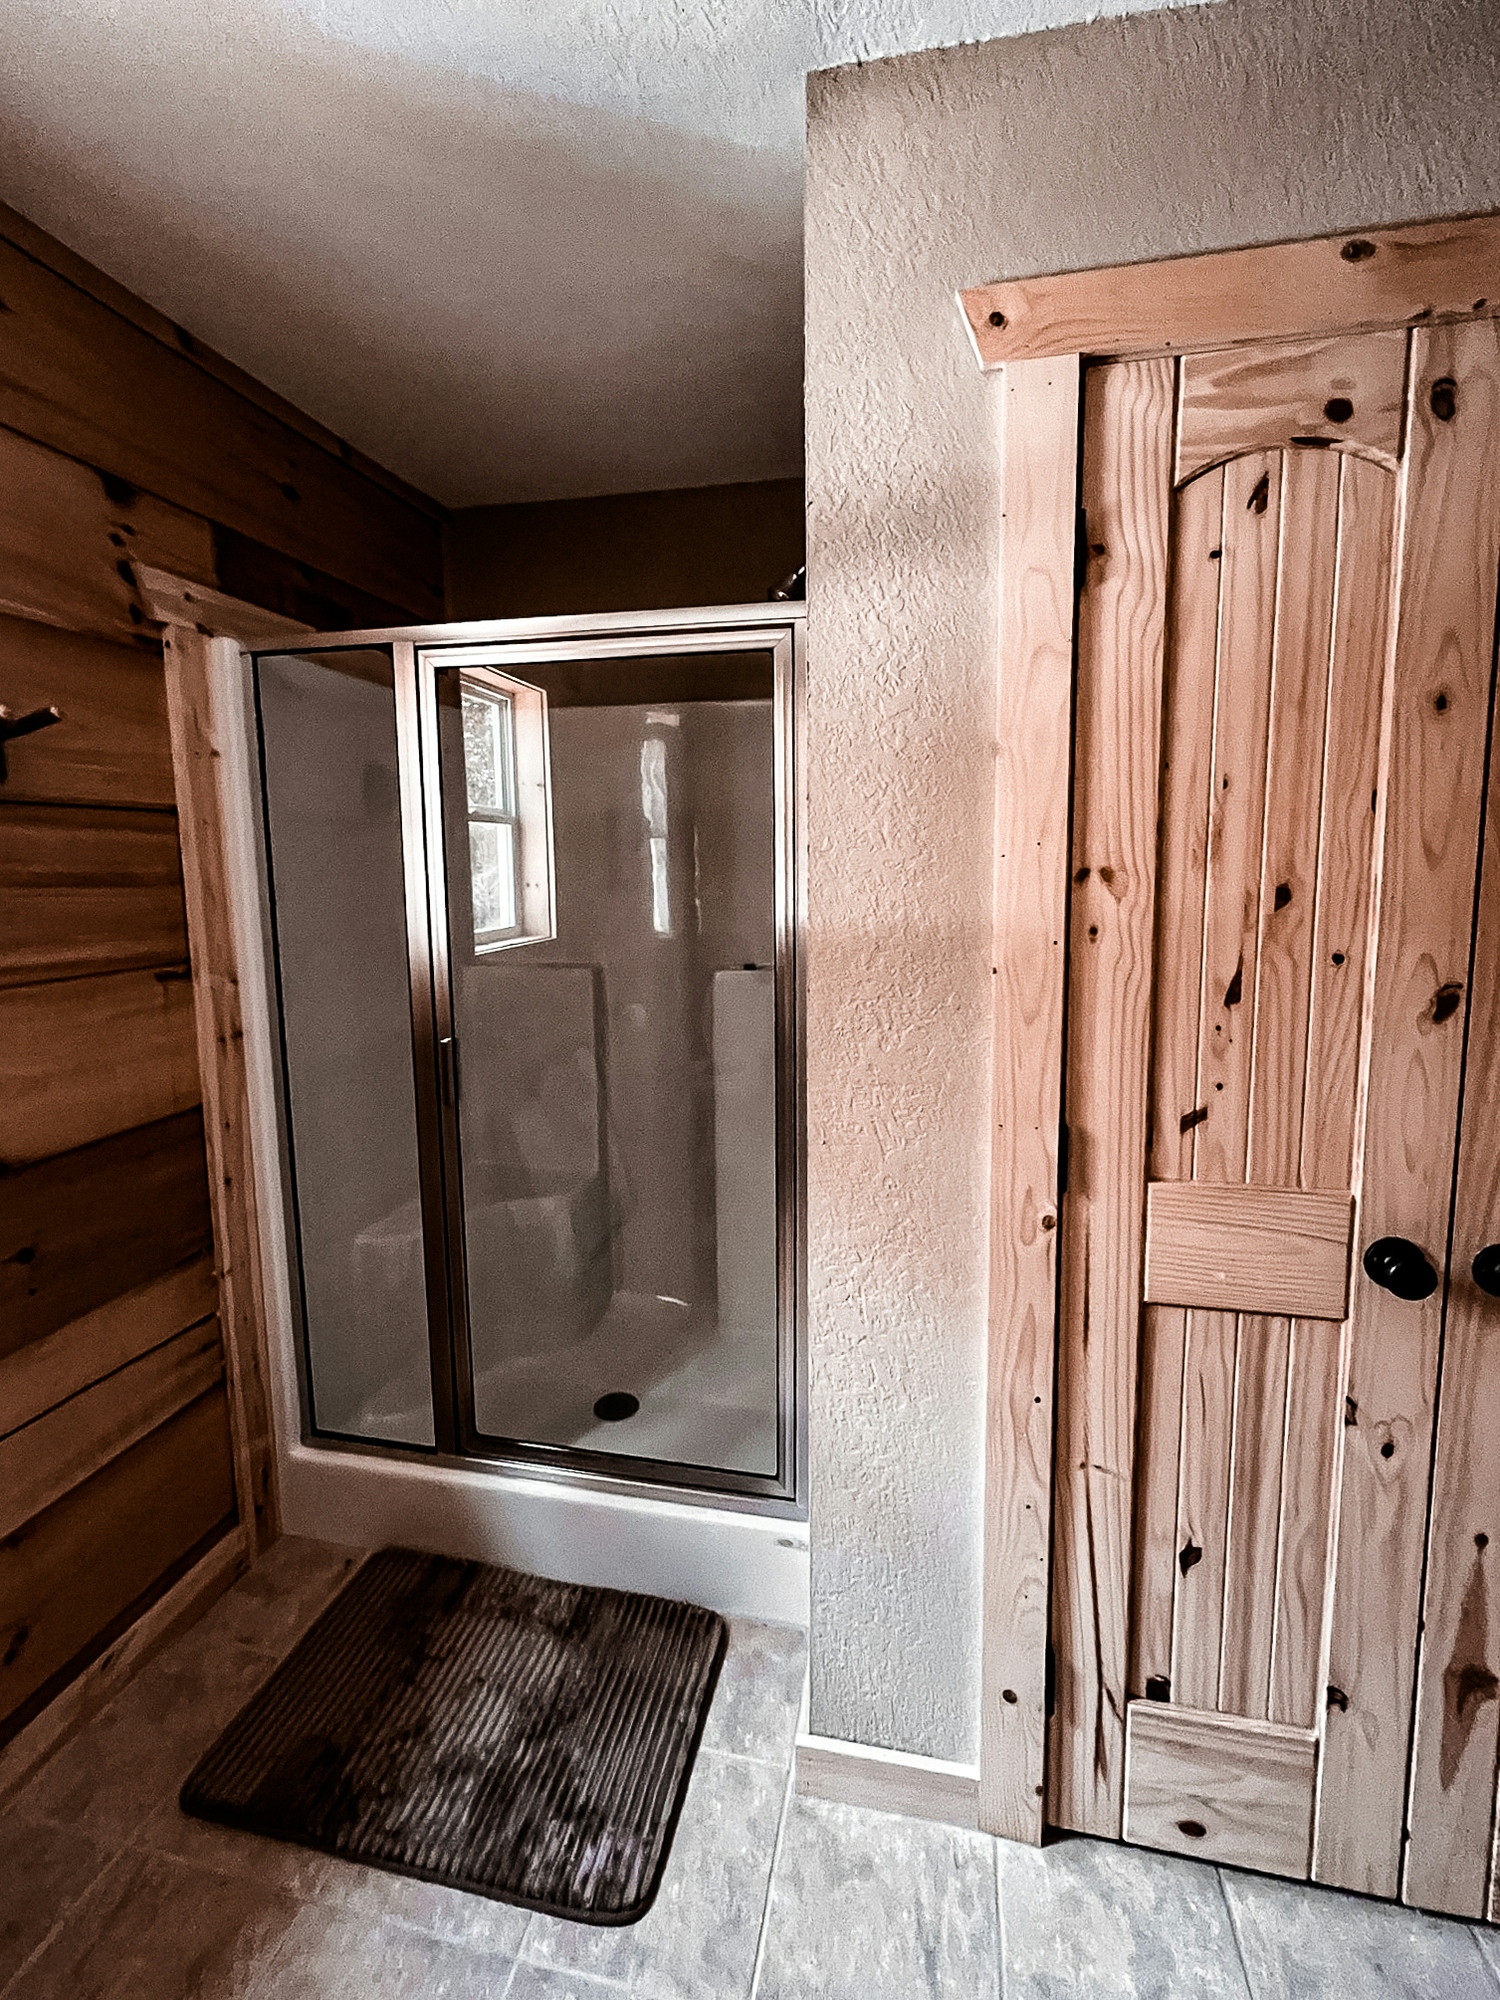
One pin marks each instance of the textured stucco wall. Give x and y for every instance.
(1156, 135)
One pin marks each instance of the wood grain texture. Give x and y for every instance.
(88, 890)
(68, 535)
(1186, 780)
(1443, 653)
(1317, 1360)
(1425, 270)
(37, 1377)
(1127, 451)
(1247, 1249)
(112, 1670)
(192, 661)
(1039, 451)
(85, 277)
(1337, 1030)
(59, 1450)
(173, 600)
(82, 1058)
(1237, 812)
(85, 1227)
(1246, 399)
(74, 1568)
(1256, 1497)
(82, 379)
(885, 1781)
(1221, 1789)
(110, 748)
(1457, 1741)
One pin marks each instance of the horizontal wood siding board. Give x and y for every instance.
(82, 1058)
(297, 590)
(82, 379)
(71, 1571)
(1362, 278)
(55, 1452)
(68, 534)
(110, 747)
(1248, 1249)
(88, 890)
(76, 1694)
(79, 1230)
(1220, 1788)
(67, 264)
(47, 1372)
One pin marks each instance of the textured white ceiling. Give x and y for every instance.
(515, 249)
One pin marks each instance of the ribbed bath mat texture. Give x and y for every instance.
(496, 1732)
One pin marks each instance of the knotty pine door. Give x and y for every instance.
(1285, 651)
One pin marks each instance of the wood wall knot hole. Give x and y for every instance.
(17, 1645)
(1191, 1118)
(1283, 895)
(1158, 1687)
(997, 319)
(1260, 495)
(1481, 1541)
(1093, 930)
(1388, 1449)
(1190, 1556)
(1080, 874)
(1338, 958)
(1234, 992)
(1440, 702)
(1193, 1828)
(1357, 249)
(1049, 1222)
(1338, 1699)
(1479, 305)
(1216, 555)
(1445, 1002)
(1443, 397)
(1008, 1694)
(289, 490)
(1351, 1412)
(117, 491)
(1106, 876)
(1338, 409)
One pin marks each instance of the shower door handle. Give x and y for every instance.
(448, 1069)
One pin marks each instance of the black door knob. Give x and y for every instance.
(1486, 1269)
(1401, 1268)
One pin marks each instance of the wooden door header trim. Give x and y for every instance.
(1413, 274)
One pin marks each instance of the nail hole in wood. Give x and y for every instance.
(1008, 1694)
(1388, 1449)
(997, 319)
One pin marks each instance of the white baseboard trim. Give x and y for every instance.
(893, 1781)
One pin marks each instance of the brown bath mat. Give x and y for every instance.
(497, 1732)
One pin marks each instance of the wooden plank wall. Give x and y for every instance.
(124, 442)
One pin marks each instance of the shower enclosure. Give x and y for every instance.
(533, 893)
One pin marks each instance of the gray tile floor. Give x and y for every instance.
(108, 1893)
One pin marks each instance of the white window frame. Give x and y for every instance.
(530, 787)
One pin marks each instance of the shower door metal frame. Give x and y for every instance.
(418, 653)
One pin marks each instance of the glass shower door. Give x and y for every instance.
(614, 969)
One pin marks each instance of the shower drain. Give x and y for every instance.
(616, 1406)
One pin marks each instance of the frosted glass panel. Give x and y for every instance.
(328, 742)
(617, 1100)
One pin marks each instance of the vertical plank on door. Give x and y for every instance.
(1226, 1020)
(1039, 458)
(1458, 1676)
(1442, 658)
(1127, 460)
(1287, 897)
(1186, 777)
(1315, 1370)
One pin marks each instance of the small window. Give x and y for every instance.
(506, 781)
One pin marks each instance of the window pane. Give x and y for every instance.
(489, 752)
(492, 868)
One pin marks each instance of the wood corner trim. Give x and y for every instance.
(1410, 274)
(177, 600)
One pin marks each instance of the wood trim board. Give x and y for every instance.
(196, 760)
(1248, 1249)
(856, 1774)
(1415, 273)
(1039, 450)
